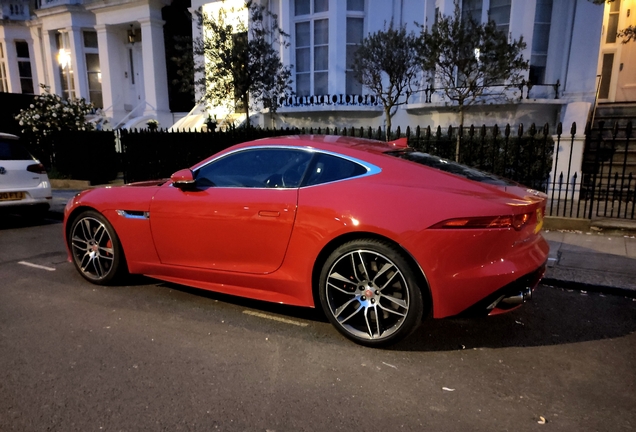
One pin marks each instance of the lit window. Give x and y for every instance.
(65, 66)
(93, 71)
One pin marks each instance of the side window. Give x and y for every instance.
(257, 168)
(327, 168)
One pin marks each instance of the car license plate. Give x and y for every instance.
(11, 196)
(539, 221)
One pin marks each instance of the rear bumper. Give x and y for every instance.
(509, 297)
(38, 197)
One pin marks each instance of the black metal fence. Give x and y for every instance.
(601, 184)
(521, 156)
(605, 186)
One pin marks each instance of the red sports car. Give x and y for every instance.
(377, 234)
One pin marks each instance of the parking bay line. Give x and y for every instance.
(41, 267)
(275, 318)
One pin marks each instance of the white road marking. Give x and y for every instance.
(36, 266)
(275, 318)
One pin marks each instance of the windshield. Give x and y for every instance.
(451, 167)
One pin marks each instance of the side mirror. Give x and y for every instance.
(182, 179)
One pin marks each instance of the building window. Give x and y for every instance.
(24, 67)
(355, 34)
(612, 21)
(499, 12)
(65, 66)
(93, 71)
(540, 41)
(312, 47)
(472, 9)
(3, 72)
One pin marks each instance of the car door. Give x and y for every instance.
(238, 216)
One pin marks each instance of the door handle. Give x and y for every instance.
(268, 213)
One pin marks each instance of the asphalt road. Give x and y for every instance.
(161, 357)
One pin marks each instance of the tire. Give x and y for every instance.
(369, 293)
(96, 250)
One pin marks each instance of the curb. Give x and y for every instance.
(580, 286)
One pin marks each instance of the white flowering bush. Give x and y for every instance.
(50, 113)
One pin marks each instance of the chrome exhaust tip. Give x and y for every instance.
(519, 298)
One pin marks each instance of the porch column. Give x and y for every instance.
(155, 73)
(109, 42)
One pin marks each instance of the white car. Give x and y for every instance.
(24, 184)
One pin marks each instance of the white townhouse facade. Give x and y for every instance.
(109, 52)
(112, 53)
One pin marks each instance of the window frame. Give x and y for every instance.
(355, 14)
(23, 59)
(311, 18)
(4, 81)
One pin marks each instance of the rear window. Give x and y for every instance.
(451, 167)
(327, 168)
(11, 150)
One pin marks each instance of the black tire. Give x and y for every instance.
(96, 250)
(370, 293)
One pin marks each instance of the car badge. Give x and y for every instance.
(2, 170)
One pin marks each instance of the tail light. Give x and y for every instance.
(509, 221)
(37, 168)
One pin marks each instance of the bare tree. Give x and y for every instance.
(469, 60)
(386, 62)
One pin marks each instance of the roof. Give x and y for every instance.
(8, 136)
(360, 144)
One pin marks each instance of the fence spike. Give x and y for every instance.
(533, 130)
(483, 131)
(546, 130)
(439, 132)
(559, 129)
(507, 130)
(615, 129)
(495, 131)
(353, 131)
(471, 130)
(398, 132)
(428, 132)
(628, 129)
(418, 131)
(361, 132)
(311, 131)
(450, 131)
(520, 130)
(379, 132)
(344, 131)
(408, 131)
(573, 129)
(370, 133)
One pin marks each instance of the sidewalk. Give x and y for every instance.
(592, 261)
(588, 261)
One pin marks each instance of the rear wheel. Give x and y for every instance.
(97, 253)
(370, 293)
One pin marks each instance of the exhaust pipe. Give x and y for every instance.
(519, 298)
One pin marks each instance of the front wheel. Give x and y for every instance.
(370, 293)
(97, 253)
